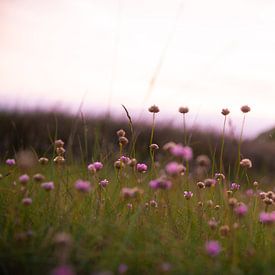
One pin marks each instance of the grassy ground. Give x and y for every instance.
(143, 230)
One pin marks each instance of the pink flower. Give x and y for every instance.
(125, 160)
(48, 186)
(141, 167)
(83, 186)
(173, 168)
(27, 201)
(63, 270)
(23, 179)
(267, 218)
(95, 167)
(160, 184)
(122, 269)
(182, 151)
(188, 194)
(234, 186)
(10, 162)
(241, 209)
(103, 183)
(212, 248)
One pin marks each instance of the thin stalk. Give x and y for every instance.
(239, 148)
(222, 145)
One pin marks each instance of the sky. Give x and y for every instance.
(206, 55)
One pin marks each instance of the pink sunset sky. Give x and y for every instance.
(204, 54)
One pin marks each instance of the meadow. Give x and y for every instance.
(167, 206)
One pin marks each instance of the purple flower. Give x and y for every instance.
(27, 201)
(94, 167)
(212, 248)
(23, 179)
(160, 184)
(234, 186)
(267, 218)
(122, 269)
(188, 194)
(182, 151)
(83, 186)
(103, 183)
(48, 186)
(173, 168)
(63, 270)
(141, 167)
(10, 162)
(249, 192)
(125, 160)
(241, 209)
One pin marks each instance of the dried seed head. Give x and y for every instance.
(255, 184)
(154, 147)
(133, 162)
(59, 143)
(203, 161)
(60, 151)
(245, 109)
(200, 204)
(38, 177)
(219, 176)
(268, 201)
(225, 112)
(153, 109)
(123, 141)
(59, 160)
(43, 161)
(200, 184)
(209, 203)
(121, 133)
(270, 194)
(119, 164)
(217, 207)
(183, 110)
(224, 230)
(213, 224)
(232, 202)
(262, 195)
(246, 163)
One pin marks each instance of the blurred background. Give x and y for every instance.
(67, 56)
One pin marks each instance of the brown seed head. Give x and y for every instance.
(245, 109)
(123, 141)
(225, 112)
(59, 143)
(246, 163)
(153, 109)
(224, 230)
(183, 110)
(121, 133)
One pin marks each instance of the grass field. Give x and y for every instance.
(178, 213)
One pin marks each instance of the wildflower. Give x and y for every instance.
(26, 159)
(188, 194)
(119, 164)
(121, 133)
(165, 267)
(203, 161)
(232, 202)
(63, 270)
(131, 192)
(38, 177)
(153, 203)
(130, 206)
(225, 112)
(262, 195)
(255, 184)
(95, 167)
(124, 159)
(212, 248)
(43, 161)
(209, 203)
(160, 183)
(154, 147)
(122, 269)
(217, 207)
(133, 162)
(200, 184)
(168, 146)
(123, 141)
(174, 168)
(183, 110)
(268, 201)
(249, 192)
(27, 201)
(59, 160)
(141, 167)
(219, 176)
(48, 186)
(60, 151)
(245, 109)
(213, 224)
(62, 239)
(234, 186)
(59, 143)
(224, 230)
(83, 186)
(10, 162)
(246, 163)
(209, 182)
(267, 218)
(104, 183)
(241, 209)
(153, 109)
(24, 179)
(182, 151)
